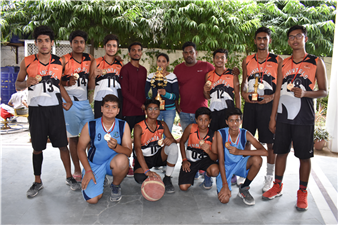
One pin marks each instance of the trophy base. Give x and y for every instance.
(162, 104)
(255, 98)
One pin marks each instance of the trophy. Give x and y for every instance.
(254, 96)
(159, 81)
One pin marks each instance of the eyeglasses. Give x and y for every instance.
(297, 36)
(151, 109)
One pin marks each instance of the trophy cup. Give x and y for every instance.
(254, 96)
(159, 81)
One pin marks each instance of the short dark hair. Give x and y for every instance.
(164, 55)
(111, 37)
(220, 50)
(134, 43)
(43, 30)
(234, 111)
(263, 29)
(297, 27)
(78, 33)
(151, 101)
(187, 44)
(111, 98)
(203, 111)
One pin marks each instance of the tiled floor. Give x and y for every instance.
(57, 204)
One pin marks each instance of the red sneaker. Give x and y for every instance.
(130, 172)
(275, 191)
(302, 200)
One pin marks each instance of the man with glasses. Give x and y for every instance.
(293, 105)
(260, 70)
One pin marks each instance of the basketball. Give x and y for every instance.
(152, 189)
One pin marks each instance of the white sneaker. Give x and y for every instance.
(240, 180)
(268, 183)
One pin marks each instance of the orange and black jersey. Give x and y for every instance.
(149, 139)
(269, 74)
(194, 151)
(293, 110)
(77, 92)
(47, 91)
(221, 90)
(110, 82)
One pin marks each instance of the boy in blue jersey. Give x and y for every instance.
(110, 148)
(233, 159)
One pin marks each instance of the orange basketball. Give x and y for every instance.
(152, 189)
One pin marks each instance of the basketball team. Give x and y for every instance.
(217, 139)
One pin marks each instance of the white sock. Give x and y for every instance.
(169, 171)
(270, 169)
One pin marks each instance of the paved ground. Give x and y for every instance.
(57, 204)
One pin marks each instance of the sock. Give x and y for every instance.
(169, 171)
(270, 169)
(247, 182)
(278, 179)
(302, 185)
(37, 163)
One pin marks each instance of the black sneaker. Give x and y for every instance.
(169, 187)
(245, 195)
(34, 190)
(73, 184)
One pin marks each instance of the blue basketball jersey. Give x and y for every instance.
(99, 151)
(229, 158)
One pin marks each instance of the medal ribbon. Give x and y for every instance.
(156, 129)
(110, 129)
(219, 76)
(73, 69)
(198, 133)
(237, 139)
(297, 68)
(266, 60)
(50, 59)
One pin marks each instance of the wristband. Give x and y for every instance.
(115, 146)
(88, 171)
(146, 172)
(185, 159)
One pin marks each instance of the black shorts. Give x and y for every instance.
(151, 161)
(133, 120)
(300, 135)
(257, 116)
(98, 113)
(218, 120)
(44, 122)
(189, 177)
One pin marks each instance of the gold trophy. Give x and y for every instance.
(159, 81)
(254, 96)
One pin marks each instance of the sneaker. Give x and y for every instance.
(275, 191)
(201, 172)
(302, 200)
(234, 180)
(245, 195)
(207, 183)
(34, 190)
(130, 172)
(73, 184)
(240, 180)
(115, 194)
(169, 187)
(268, 183)
(197, 176)
(106, 181)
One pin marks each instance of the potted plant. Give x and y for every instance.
(320, 137)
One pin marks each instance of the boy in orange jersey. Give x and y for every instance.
(260, 70)
(150, 148)
(201, 153)
(43, 72)
(293, 105)
(106, 72)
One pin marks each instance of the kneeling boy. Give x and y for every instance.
(201, 151)
(110, 147)
(151, 150)
(233, 159)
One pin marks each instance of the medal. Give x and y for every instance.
(208, 83)
(76, 75)
(227, 144)
(160, 142)
(201, 142)
(289, 86)
(104, 72)
(107, 137)
(38, 77)
(261, 86)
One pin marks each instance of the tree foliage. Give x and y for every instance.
(167, 24)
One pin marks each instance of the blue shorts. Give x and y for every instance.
(238, 169)
(100, 172)
(77, 116)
